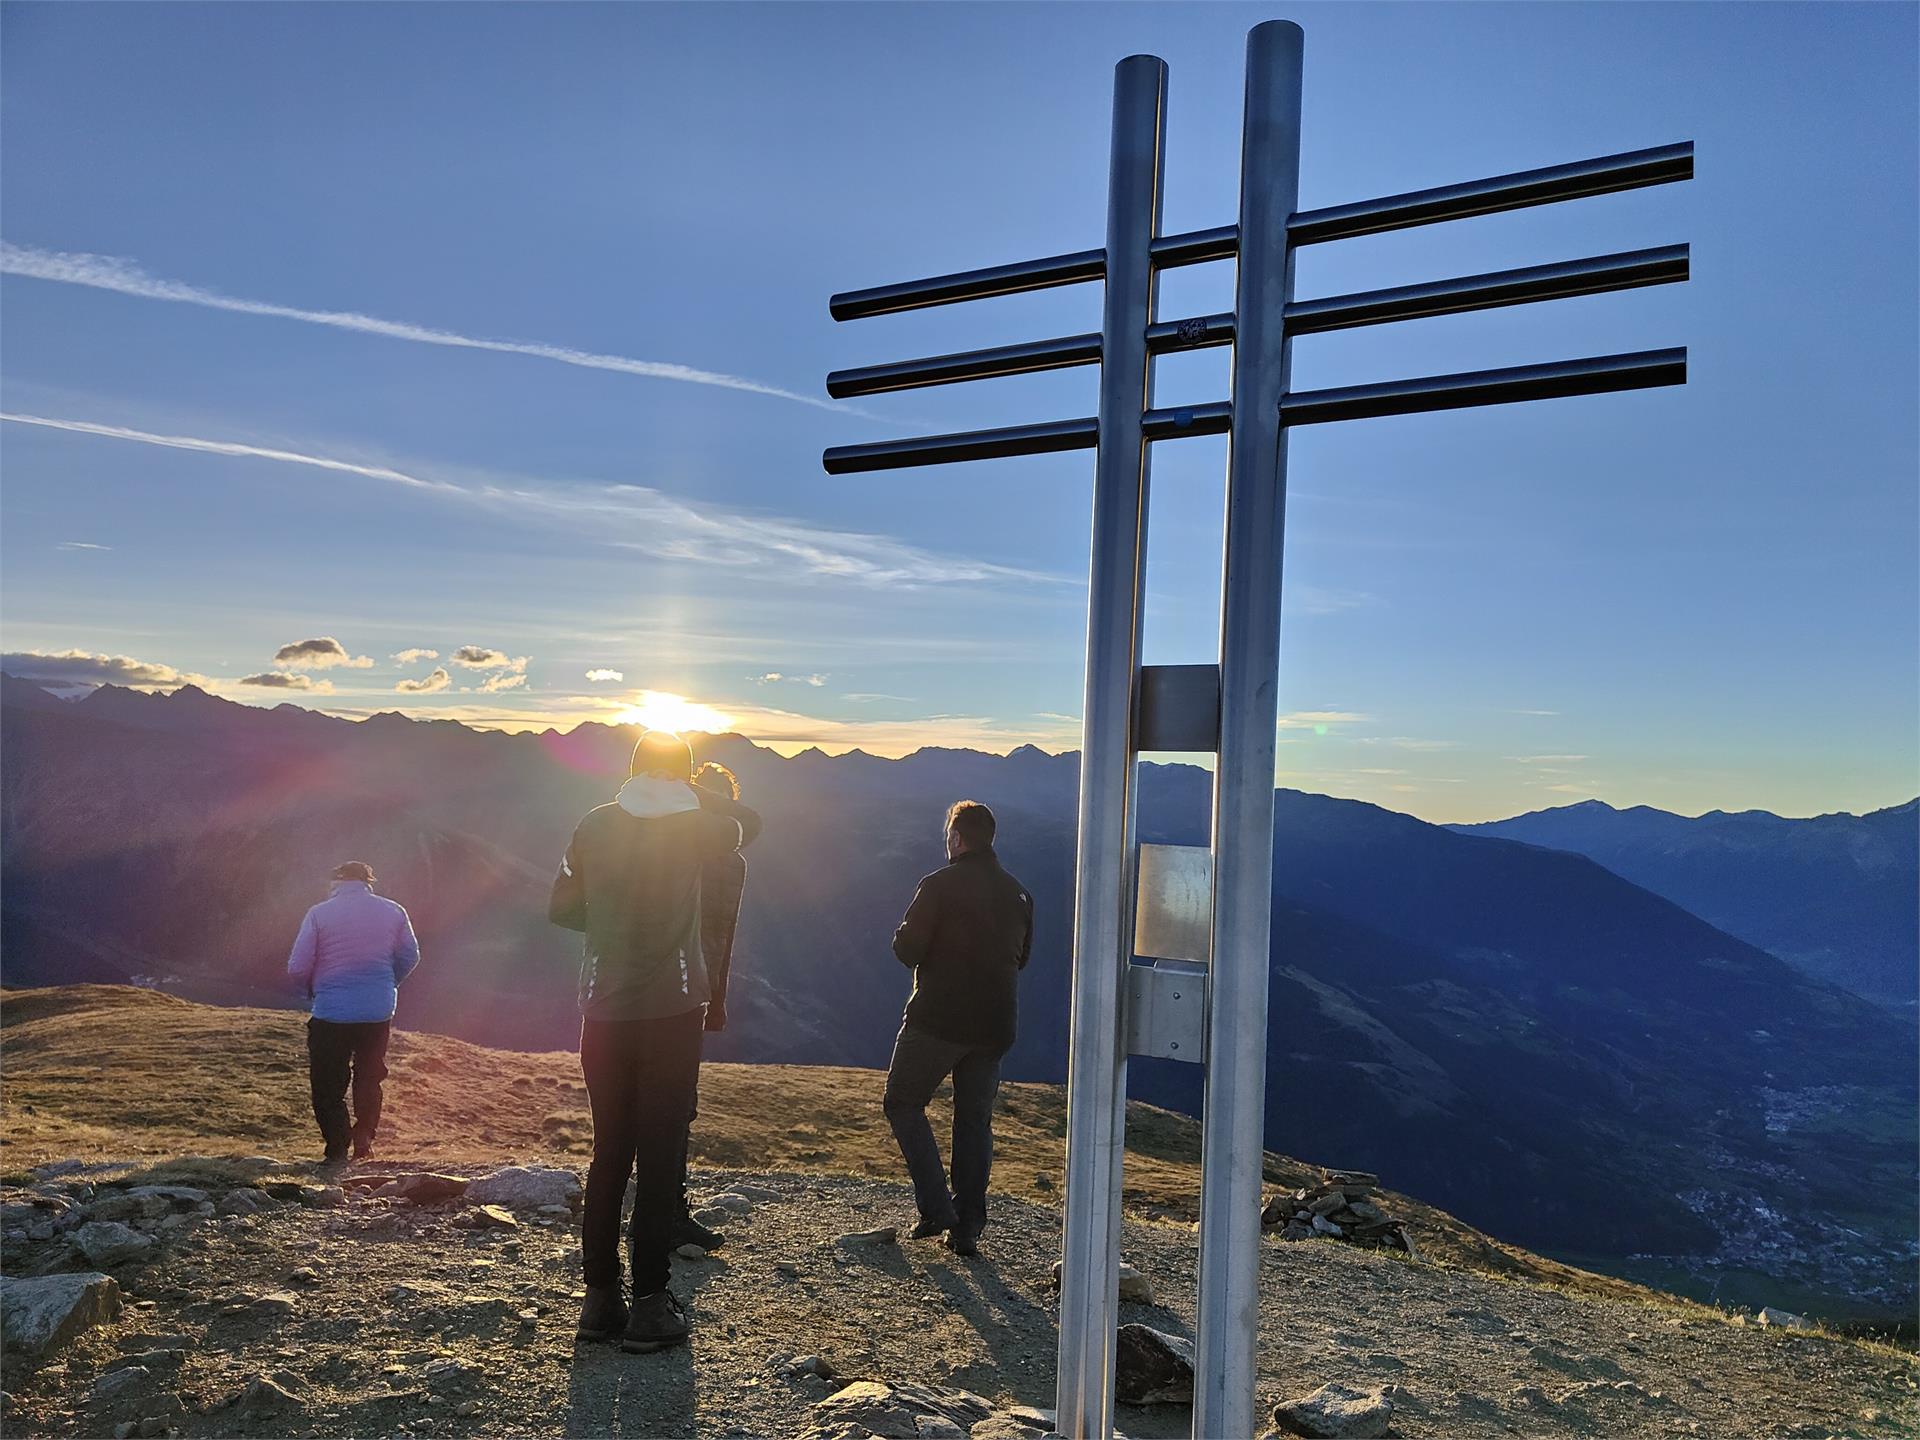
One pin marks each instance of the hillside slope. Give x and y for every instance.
(379, 1316)
(1837, 895)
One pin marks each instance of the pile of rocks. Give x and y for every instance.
(1341, 1205)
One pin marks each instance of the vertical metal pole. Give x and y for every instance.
(1228, 1326)
(1103, 876)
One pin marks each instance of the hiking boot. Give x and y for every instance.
(689, 1231)
(963, 1241)
(603, 1314)
(363, 1149)
(334, 1158)
(657, 1322)
(928, 1229)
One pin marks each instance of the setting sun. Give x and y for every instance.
(662, 710)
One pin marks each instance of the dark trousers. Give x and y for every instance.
(641, 1076)
(920, 1062)
(686, 1144)
(336, 1055)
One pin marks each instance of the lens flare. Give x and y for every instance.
(663, 710)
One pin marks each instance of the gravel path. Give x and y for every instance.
(411, 1323)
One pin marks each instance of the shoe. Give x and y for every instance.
(603, 1314)
(963, 1241)
(657, 1322)
(928, 1229)
(334, 1158)
(363, 1149)
(689, 1231)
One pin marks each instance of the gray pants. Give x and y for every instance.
(920, 1062)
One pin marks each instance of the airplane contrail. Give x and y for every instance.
(123, 277)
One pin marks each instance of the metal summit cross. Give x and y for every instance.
(1204, 915)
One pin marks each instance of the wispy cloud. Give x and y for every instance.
(435, 679)
(1320, 719)
(776, 677)
(231, 448)
(484, 657)
(320, 653)
(503, 680)
(81, 667)
(1536, 712)
(80, 545)
(640, 518)
(1547, 759)
(413, 656)
(287, 680)
(599, 676)
(124, 277)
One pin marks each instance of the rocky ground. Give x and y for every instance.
(271, 1300)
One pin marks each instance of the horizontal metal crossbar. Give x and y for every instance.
(1175, 423)
(1601, 176)
(1628, 270)
(1605, 175)
(1596, 376)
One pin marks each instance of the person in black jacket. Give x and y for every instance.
(723, 883)
(966, 937)
(630, 880)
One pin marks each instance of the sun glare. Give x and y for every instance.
(662, 710)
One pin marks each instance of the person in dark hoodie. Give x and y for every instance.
(966, 937)
(630, 880)
(722, 884)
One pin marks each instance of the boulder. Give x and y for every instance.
(1774, 1319)
(108, 1242)
(39, 1316)
(128, 1206)
(244, 1201)
(900, 1412)
(1337, 1411)
(262, 1395)
(488, 1217)
(1325, 1226)
(172, 1194)
(1134, 1288)
(869, 1239)
(526, 1187)
(425, 1188)
(1152, 1367)
(728, 1202)
(116, 1385)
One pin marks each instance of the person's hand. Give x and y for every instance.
(716, 1018)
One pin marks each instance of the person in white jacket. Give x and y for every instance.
(353, 950)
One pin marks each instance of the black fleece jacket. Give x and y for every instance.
(966, 937)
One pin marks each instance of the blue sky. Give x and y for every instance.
(1698, 597)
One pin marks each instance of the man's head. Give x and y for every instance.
(663, 755)
(719, 779)
(354, 870)
(969, 828)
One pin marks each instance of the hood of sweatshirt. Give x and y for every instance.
(649, 797)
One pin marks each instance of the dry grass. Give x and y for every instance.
(112, 1073)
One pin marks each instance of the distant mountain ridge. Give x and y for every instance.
(1836, 895)
(1513, 1033)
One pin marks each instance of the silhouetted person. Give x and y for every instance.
(353, 950)
(966, 937)
(631, 880)
(722, 883)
